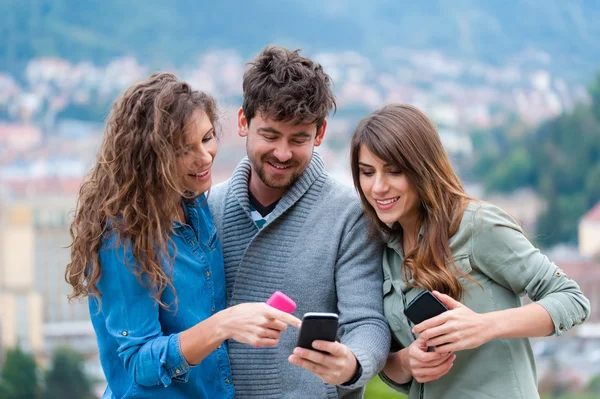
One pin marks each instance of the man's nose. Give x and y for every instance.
(282, 152)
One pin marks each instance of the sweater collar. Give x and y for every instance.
(241, 178)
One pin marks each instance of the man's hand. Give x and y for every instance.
(336, 367)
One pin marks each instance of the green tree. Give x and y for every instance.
(67, 378)
(20, 376)
(560, 159)
(594, 385)
(592, 185)
(6, 390)
(595, 94)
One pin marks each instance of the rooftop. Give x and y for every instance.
(593, 214)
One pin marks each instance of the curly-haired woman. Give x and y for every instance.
(146, 251)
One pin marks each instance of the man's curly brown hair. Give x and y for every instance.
(286, 86)
(134, 189)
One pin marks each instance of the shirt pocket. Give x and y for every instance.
(393, 306)
(212, 240)
(463, 267)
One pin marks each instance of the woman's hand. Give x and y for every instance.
(255, 324)
(423, 366)
(457, 329)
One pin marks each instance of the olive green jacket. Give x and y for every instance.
(492, 249)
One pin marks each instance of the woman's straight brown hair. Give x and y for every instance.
(404, 137)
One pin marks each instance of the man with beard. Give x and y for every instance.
(285, 225)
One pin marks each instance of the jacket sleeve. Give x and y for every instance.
(359, 279)
(131, 318)
(502, 252)
(402, 388)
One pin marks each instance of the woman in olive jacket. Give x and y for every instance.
(472, 255)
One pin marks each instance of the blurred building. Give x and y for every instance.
(589, 233)
(21, 310)
(523, 204)
(35, 236)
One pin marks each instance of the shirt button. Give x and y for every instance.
(177, 371)
(562, 326)
(125, 333)
(213, 309)
(192, 242)
(207, 273)
(227, 380)
(582, 319)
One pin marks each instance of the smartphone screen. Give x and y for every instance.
(424, 306)
(317, 326)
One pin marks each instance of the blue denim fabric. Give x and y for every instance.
(138, 340)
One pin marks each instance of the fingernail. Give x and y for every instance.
(298, 352)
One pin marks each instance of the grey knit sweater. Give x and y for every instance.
(315, 247)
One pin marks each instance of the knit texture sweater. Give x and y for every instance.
(315, 247)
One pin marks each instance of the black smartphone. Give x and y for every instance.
(317, 326)
(424, 306)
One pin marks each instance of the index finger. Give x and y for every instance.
(287, 318)
(430, 323)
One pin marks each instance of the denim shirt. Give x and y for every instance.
(504, 266)
(138, 340)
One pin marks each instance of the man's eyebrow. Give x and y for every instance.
(302, 134)
(268, 129)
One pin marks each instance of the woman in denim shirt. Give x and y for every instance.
(146, 250)
(471, 254)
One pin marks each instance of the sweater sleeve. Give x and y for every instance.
(502, 252)
(359, 279)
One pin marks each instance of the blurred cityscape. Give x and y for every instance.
(51, 125)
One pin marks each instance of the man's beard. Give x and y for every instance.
(268, 180)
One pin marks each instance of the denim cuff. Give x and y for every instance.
(174, 364)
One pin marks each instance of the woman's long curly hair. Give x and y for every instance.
(134, 189)
(403, 136)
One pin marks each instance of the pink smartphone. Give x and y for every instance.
(282, 302)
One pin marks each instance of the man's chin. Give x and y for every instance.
(278, 184)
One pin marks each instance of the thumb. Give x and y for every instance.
(450, 302)
(421, 344)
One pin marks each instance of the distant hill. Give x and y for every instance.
(166, 33)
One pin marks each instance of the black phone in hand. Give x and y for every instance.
(424, 306)
(317, 326)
